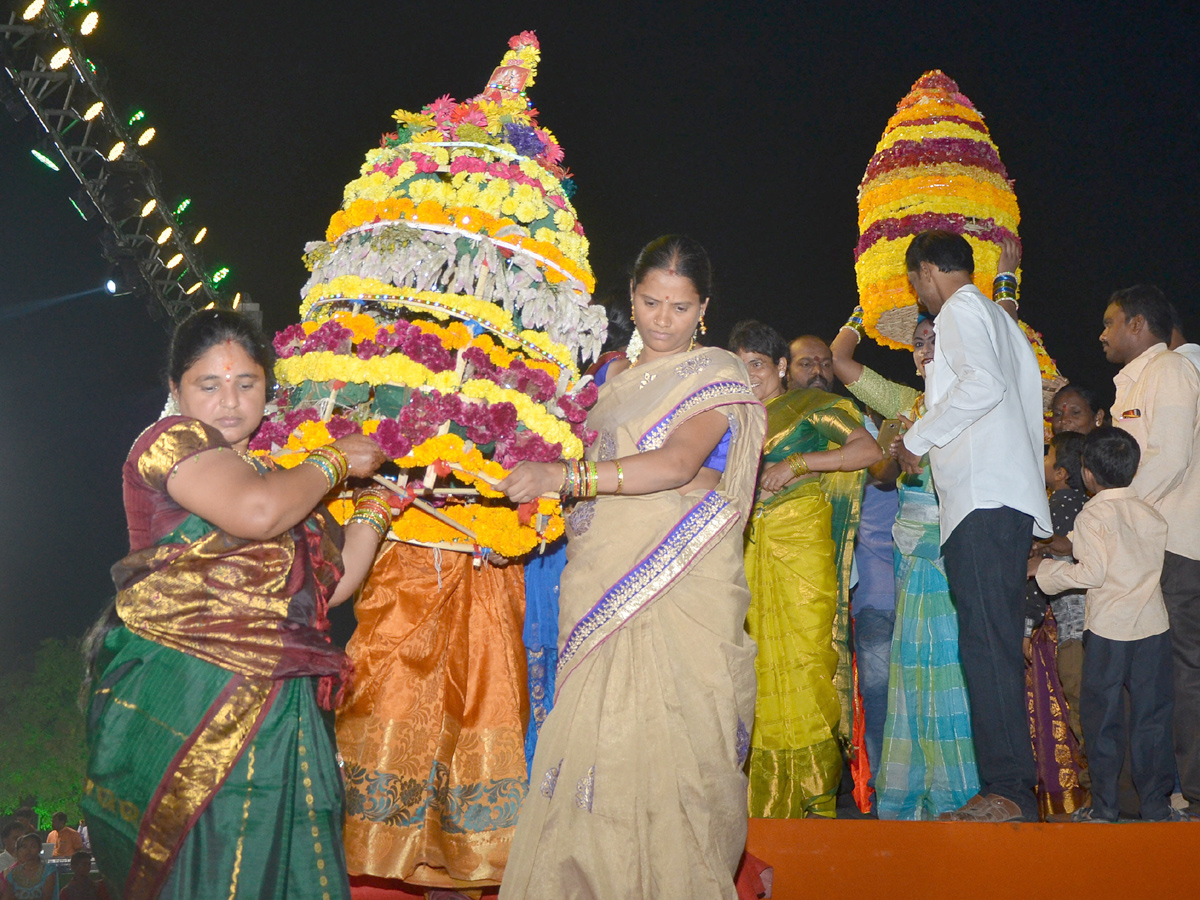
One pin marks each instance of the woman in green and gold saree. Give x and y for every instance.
(791, 566)
(637, 787)
(211, 770)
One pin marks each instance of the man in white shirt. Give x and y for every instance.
(1158, 402)
(1183, 347)
(983, 432)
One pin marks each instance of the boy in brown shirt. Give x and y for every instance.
(1119, 542)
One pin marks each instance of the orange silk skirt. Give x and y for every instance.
(432, 732)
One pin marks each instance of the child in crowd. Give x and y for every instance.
(1119, 542)
(1064, 478)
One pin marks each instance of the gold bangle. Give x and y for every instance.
(798, 465)
(620, 477)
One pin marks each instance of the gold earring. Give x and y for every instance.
(703, 330)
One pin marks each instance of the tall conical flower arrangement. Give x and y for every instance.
(447, 314)
(935, 167)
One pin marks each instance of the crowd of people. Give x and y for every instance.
(26, 875)
(755, 561)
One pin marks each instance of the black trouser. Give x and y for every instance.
(986, 557)
(1144, 667)
(1181, 591)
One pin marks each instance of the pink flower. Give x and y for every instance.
(467, 164)
(288, 341)
(424, 163)
(293, 417)
(340, 426)
(526, 445)
(270, 434)
(330, 336)
(441, 108)
(367, 349)
(475, 117)
(553, 153)
(524, 39)
(391, 439)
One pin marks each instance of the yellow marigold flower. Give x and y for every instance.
(407, 170)
(564, 221)
(431, 136)
(544, 235)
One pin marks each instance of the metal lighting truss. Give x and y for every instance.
(119, 183)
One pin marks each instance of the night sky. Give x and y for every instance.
(747, 126)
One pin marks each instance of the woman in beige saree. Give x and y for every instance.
(637, 787)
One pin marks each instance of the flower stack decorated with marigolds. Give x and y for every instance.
(447, 316)
(935, 167)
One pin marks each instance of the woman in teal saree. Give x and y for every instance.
(211, 769)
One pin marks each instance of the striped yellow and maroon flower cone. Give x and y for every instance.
(935, 167)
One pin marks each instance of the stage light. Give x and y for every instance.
(211, 305)
(33, 9)
(200, 235)
(44, 160)
(94, 110)
(110, 286)
(89, 23)
(174, 260)
(237, 299)
(115, 153)
(183, 205)
(195, 287)
(150, 206)
(220, 275)
(61, 58)
(137, 117)
(165, 236)
(146, 136)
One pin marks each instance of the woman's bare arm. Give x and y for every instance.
(221, 488)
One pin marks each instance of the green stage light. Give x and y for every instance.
(183, 205)
(220, 275)
(137, 116)
(44, 160)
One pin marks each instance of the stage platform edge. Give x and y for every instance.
(861, 859)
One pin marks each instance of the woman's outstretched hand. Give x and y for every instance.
(1010, 255)
(529, 480)
(362, 452)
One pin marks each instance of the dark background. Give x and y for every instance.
(746, 125)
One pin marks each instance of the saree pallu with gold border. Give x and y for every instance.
(211, 770)
(797, 545)
(432, 734)
(637, 787)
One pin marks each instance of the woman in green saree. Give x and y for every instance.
(211, 771)
(637, 786)
(795, 754)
